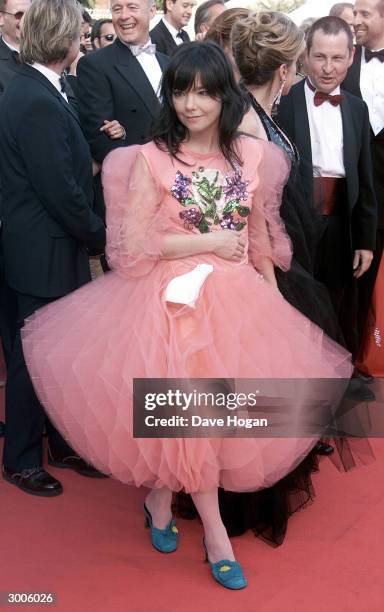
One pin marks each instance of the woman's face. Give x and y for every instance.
(196, 110)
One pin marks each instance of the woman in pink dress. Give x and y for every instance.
(198, 195)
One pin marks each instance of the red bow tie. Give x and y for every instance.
(321, 97)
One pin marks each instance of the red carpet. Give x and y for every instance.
(90, 548)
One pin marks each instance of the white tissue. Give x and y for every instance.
(185, 289)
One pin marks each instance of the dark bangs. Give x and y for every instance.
(208, 63)
(197, 63)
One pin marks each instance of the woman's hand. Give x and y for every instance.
(113, 129)
(73, 67)
(228, 244)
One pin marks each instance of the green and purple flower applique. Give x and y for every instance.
(211, 200)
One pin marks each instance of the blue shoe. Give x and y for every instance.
(227, 573)
(164, 540)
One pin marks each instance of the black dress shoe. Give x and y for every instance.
(35, 481)
(359, 391)
(321, 448)
(365, 378)
(76, 463)
(2, 429)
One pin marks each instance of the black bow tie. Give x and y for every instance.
(63, 84)
(181, 35)
(371, 54)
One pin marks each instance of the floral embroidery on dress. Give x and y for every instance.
(211, 199)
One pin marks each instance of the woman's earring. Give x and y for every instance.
(280, 92)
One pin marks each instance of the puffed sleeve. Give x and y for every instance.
(266, 231)
(135, 222)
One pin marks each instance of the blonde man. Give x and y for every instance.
(48, 224)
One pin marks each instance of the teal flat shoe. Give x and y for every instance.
(227, 573)
(164, 540)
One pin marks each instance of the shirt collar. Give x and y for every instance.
(51, 75)
(9, 46)
(171, 28)
(335, 92)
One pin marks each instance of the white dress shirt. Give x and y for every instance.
(372, 90)
(151, 67)
(52, 77)
(327, 141)
(178, 40)
(8, 45)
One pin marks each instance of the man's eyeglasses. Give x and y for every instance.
(18, 15)
(108, 37)
(86, 35)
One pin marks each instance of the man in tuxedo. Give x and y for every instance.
(344, 10)
(120, 82)
(331, 131)
(11, 13)
(365, 79)
(168, 34)
(49, 227)
(205, 15)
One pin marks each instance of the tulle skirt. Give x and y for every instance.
(84, 351)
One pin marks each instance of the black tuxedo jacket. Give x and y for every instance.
(9, 66)
(352, 84)
(111, 84)
(163, 39)
(46, 173)
(361, 206)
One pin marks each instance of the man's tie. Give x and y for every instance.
(183, 35)
(321, 97)
(63, 84)
(16, 56)
(371, 54)
(149, 48)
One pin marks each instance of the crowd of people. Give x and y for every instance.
(139, 157)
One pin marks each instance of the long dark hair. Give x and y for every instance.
(207, 61)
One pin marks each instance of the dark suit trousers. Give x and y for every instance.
(333, 267)
(24, 415)
(8, 317)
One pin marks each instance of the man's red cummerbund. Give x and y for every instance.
(329, 194)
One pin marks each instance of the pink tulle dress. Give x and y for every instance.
(84, 350)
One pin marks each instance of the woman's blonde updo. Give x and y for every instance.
(262, 43)
(221, 28)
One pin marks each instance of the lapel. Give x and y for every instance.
(167, 35)
(303, 133)
(350, 147)
(352, 80)
(7, 55)
(163, 60)
(32, 73)
(128, 66)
